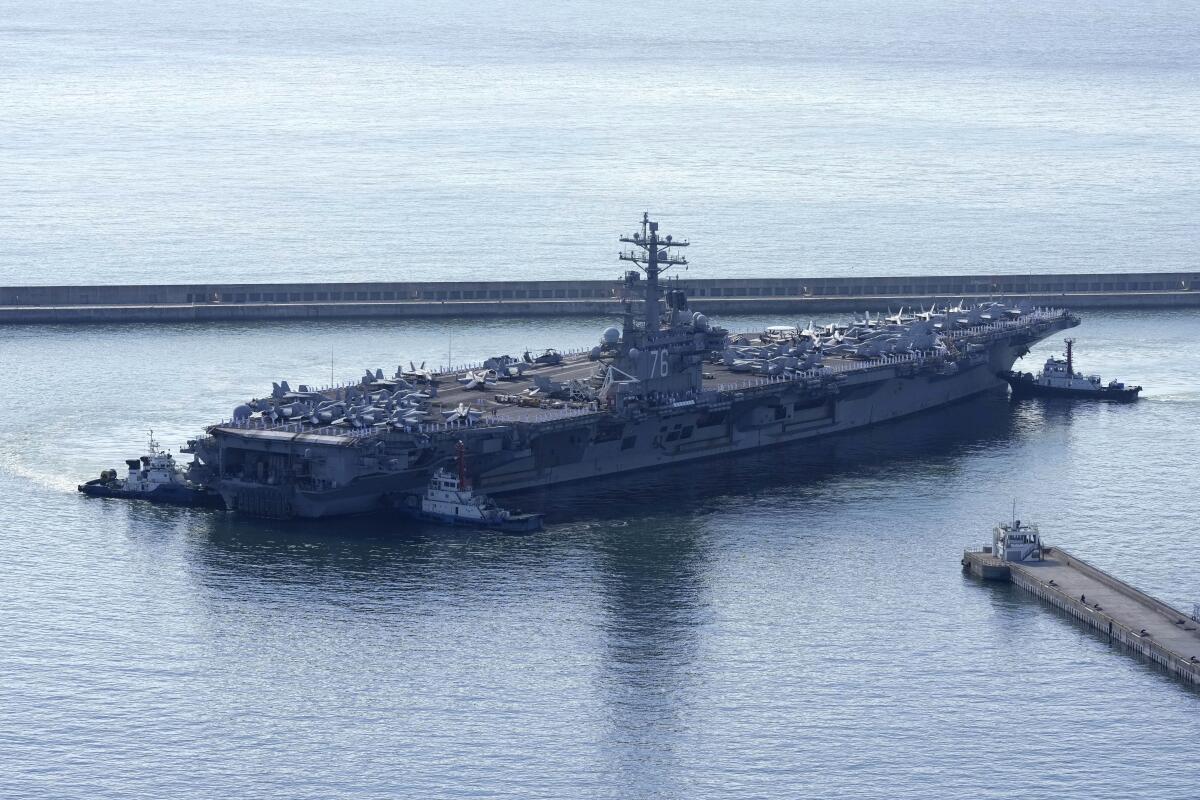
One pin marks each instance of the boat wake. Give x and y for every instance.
(13, 467)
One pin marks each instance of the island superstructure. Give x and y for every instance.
(666, 387)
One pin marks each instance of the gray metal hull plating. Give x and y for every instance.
(877, 402)
(762, 415)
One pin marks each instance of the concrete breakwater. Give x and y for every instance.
(1112, 607)
(212, 302)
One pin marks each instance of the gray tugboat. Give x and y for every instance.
(1058, 378)
(154, 477)
(663, 387)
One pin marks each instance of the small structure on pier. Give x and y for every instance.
(1017, 542)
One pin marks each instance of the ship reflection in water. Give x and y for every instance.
(640, 541)
(655, 606)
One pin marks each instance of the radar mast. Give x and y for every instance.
(653, 255)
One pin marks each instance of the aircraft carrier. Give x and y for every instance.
(667, 386)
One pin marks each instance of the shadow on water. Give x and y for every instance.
(359, 554)
(629, 547)
(1062, 412)
(1049, 411)
(653, 583)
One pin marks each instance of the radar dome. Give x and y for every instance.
(699, 321)
(634, 353)
(611, 336)
(242, 412)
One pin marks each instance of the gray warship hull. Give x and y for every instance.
(301, 471)
(666, 388)
(752, 421)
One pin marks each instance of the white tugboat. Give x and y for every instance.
(1058, 378)
(154, 477)
(450, 499)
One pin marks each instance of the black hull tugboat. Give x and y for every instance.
(1058, 378)
(154, 477)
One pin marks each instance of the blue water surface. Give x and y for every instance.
(789, 623)
(792, 623)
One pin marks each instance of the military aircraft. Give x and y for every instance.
(549, 357)
(463, 413)
(415, 374)
(478, 379)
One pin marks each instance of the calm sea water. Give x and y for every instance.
(371, 139)
(791, 623)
